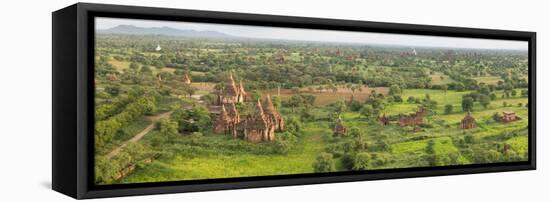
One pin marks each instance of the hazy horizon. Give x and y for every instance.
(314, 35)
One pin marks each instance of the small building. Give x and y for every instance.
(468, 122)
(384, 119)
(413, 119)
(339, 128)
(509, 116)
(158, 48)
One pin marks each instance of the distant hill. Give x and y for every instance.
(168, 31)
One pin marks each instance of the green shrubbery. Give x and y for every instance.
(324, 162)
(106, 129)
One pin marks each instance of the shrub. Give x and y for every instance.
(168, 127)
(347, 161)
(323, 163)
(361, 161)
(448, 109)
(293, 125)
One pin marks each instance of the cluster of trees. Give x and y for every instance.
(195, 119)
(354, 152)
(106, 129)
(485, 94)
(287, 65)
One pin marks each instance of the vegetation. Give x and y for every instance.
(163, 126)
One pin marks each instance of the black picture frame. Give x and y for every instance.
(73, 91)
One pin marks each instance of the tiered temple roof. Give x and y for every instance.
(256, 127)
(231, 93)
(273, 114)
(468, 122)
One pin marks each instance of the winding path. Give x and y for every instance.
(137, 137)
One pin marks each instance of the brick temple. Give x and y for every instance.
(384, 119)
(468, 122)
(231, 93)
(339, 128)
(413, 119)
(257, 127)
(509, 117)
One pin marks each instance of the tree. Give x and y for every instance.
(146, 70)
(134, 66)
(430, 156)
(485, 101)
(411, 100)
(496, 116)
(294, 102)
(295, 90)
(356, 132)
(276, 101)
(340, 107)
(444, 87)
(395, 90)
(484, 90)
(448, 109)
(514, 93)
(459, 87)
(366, 111)
(361, 161)
(383, 145)
(323, 163)
(168, 127)
(193, 120)
(469, 139)
(493, 96)
(293, 125)
(467, 103)
(320, 88)
(256, 94)
(113, 90)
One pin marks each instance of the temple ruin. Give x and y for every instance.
(413, 119)
(509, 117)
(231, 93)
(339, 128)
(256, 127)
(468, 122)
(384, 119)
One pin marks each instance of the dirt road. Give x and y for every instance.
(137, 137)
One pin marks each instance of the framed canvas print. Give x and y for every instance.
(155, 100)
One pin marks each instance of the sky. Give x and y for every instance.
(322, 35)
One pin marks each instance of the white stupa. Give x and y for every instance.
(158, 48)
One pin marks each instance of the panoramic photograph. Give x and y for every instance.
(179, 101)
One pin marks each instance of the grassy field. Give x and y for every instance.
(241, 164)
(326, 97)
(439, 78)
(405, 145)
(488, 79)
